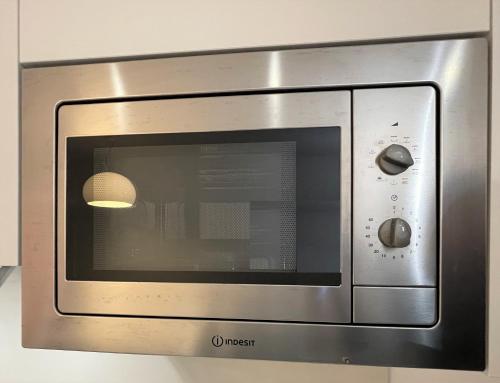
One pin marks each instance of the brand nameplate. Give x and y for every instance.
(219, 341)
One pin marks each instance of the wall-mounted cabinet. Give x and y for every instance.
(9, 134)
(55, 30)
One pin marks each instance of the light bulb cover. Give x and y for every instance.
(109, 190)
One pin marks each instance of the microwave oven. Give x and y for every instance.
(316, 204)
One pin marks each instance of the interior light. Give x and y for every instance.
(109, 190)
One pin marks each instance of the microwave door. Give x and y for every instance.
(234, 207)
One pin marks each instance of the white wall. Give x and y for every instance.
(494, 281)
(54, 30)
(9, 139)
(411, 375)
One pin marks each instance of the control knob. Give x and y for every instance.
(395, 159)
(395, 232)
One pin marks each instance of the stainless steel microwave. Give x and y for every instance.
(320, 204)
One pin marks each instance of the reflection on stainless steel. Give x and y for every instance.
(275, 70)
(394, 305)
(118, 86)
(458, 69)
(4, 273)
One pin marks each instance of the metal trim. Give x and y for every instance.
(411, 306)
(458, 68)
(234, 301)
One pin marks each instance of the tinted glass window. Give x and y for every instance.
(226, 207)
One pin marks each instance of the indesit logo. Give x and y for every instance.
(219, 341)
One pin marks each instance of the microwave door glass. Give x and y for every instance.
(257, 207)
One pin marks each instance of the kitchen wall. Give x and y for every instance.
(56, 30)
(9, 126)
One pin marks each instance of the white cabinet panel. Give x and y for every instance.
(53, 30)
(494, 280)
(411, 375)
(9, 136)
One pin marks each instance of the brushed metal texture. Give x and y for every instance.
(457, 68)
(382, 117)
(394, 305)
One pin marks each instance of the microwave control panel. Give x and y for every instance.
(394, 205)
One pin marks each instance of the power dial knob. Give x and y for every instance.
(395, 232)
(395, 159)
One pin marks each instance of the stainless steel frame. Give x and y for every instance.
(457, 68)
(195, 300)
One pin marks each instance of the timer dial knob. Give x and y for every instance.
(395, 159)
(395, 232)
